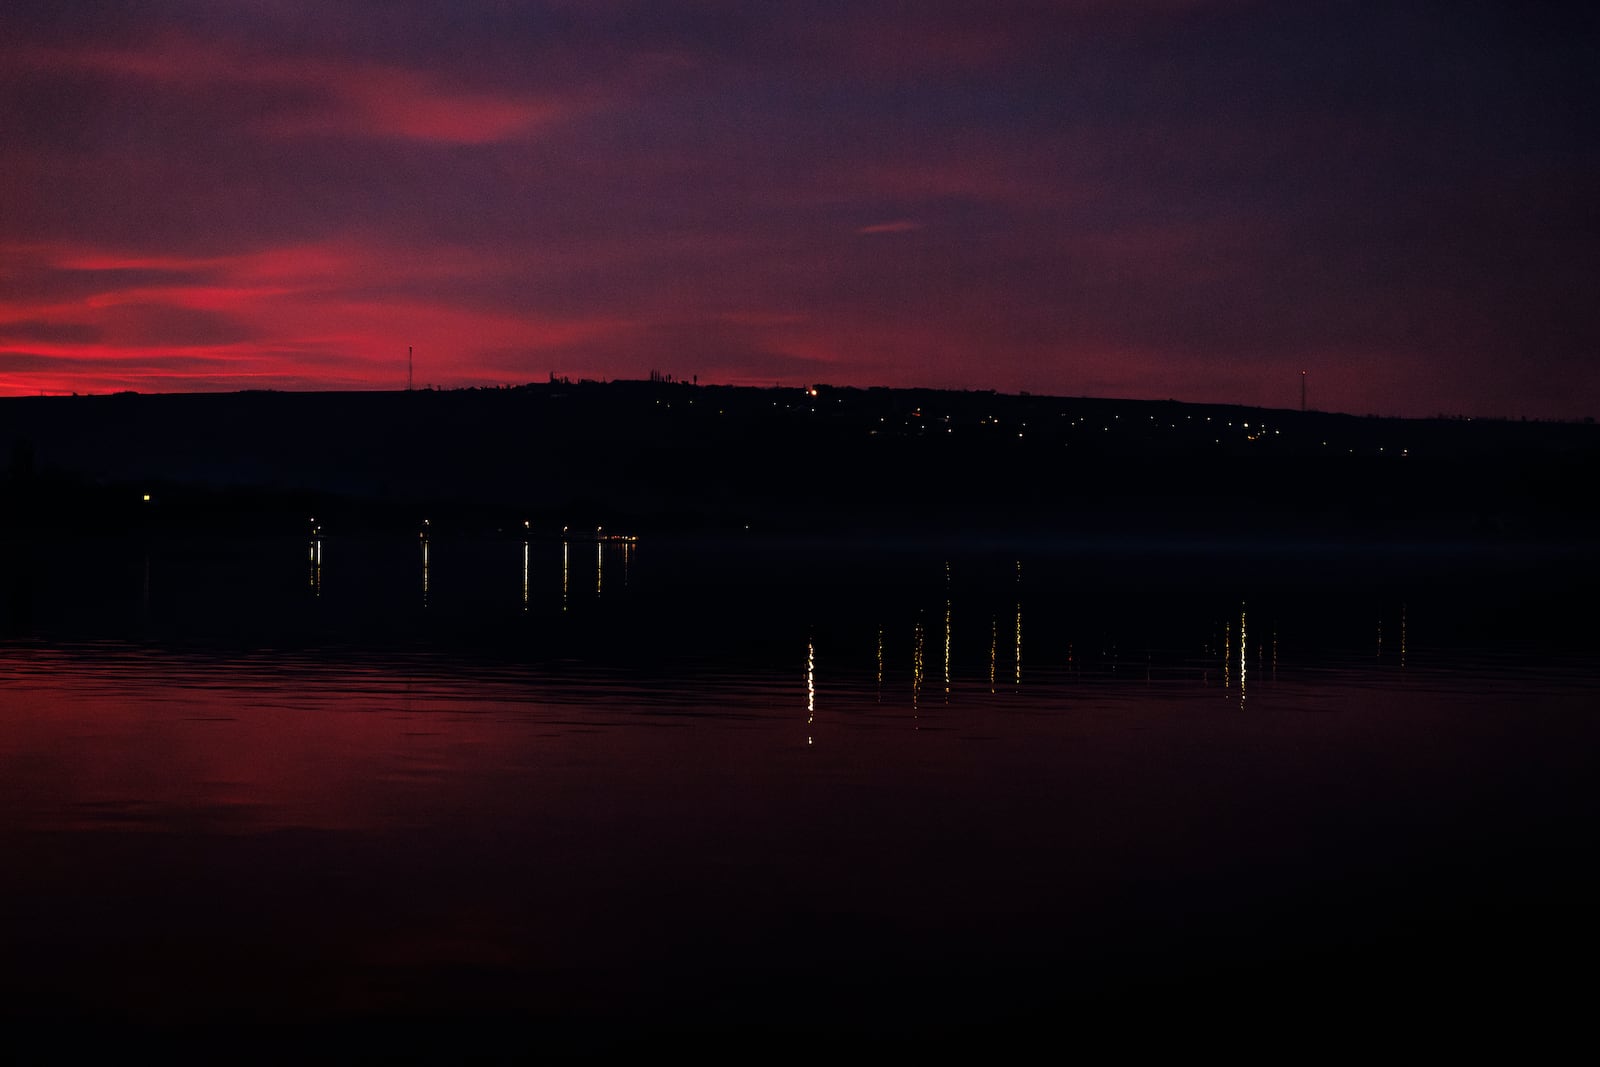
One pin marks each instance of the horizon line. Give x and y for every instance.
(565, 382)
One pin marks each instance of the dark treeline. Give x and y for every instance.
(662, 455)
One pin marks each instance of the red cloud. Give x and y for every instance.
(286, 317)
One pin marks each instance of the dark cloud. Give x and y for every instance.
(71, 333)
(166, 325)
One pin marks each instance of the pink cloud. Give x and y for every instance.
(897, 226)
(396, 103)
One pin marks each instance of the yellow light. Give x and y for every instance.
(916, 666)
(1243, 648)
(811, 682)
(147, 498)
(880, 664)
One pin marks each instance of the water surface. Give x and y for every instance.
(570, 794)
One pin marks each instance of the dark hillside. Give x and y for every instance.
(663, 455)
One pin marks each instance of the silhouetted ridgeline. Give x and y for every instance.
(653, 455)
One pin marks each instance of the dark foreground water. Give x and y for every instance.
(773, 795)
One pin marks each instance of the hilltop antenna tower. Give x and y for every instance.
(409, 368)
(1302, 392)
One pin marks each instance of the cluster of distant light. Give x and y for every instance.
(1234, 666)
(628, 541)
(917, 422)
(1232, 655)
(425, 537)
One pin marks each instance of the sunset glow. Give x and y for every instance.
(1155, 199)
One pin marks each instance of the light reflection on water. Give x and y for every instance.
(124, 735)
(523, 783)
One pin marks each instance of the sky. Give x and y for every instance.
(1126, 198)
